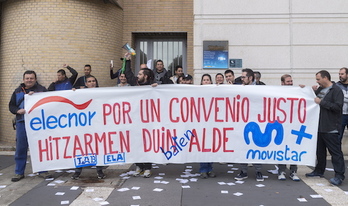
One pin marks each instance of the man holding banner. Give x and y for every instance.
(330, 99)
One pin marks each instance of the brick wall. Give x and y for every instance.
(160, 16)
(42, 35)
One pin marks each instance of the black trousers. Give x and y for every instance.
(330, 141)
(144, 166)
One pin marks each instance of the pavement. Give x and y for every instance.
(169, 185)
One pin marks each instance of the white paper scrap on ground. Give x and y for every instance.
(328, 190)
(31, 175)
(51, 184)
(162, 174)
(157, 181)
(229, 171)
(97, 199)
(229, 165)
(136, 197)
(89, 190)
(155, 167)
(186, 186)
(239, 182)
(104, 203)
(230, 183)
(164, 182)
(1, 173)
(224, 191)
(158, 178)
(70, 171)
(158, 190)
(125, 178)
(184, 181)
(329, 169)
(234, 168)
(74, 188)
(123, 189)
(58, 181)
(346, 192)
(188, 166)
(2, 186)
(59, 171)
(60, 193)
(302, 199)
(238, 194)
(64, 202)
(50, 179)
(222, 183)
(320, 184)
(193, 179)
(259, 185)
(135, 188)
(316, 196)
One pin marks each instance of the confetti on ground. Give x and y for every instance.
(74, 188)
(320, 184)
(2, 186)
(238, 194)
(162, 174)
(97, 199)
(230, 183)
(260, 185)
(265, 176)
(222, 183)
(328, 190)
(329, 169)
(193, 179)
(58, 181)
(136, 197)
(158, 178)
(104, 203)
(158, 190)
(60, 193)
(229, 165)
(64, 202)
(70, 171)
(51, 184)
(49, 179)
(239, 182)
(59, 171)
(186, 186)
(90, 190)
(188, 170)
(346, 192)
(157, 181)
(184, 181)
(123, 189)
(125, 178)
(1, 173)
(135, 188)
(31, 175)
(230, 171)
(234, 168)
(316, 196)
(302, 199)
(188, 166)
(155, 167)
(164, 182)
(224, 191)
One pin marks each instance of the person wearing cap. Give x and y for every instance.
(178, 71)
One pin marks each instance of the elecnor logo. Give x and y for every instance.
(44, 122)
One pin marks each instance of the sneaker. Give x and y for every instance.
(259, 177)
(101, 174)
(17, 177)
(336, 181)
(241, 176)
(147, 173)
(138, 171)
(314, 174)
(211, 174)
(281, 176)
(44, 175)
(76, 176)
(294, 176)
(204, 175)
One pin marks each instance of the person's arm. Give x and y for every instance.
(12, 104)
(74, 73)
(52, 87)
(131, 79)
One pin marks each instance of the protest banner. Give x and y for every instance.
(172, 124)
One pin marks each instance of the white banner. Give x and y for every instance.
(172, 124)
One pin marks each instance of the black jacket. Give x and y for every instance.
(330, 110)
